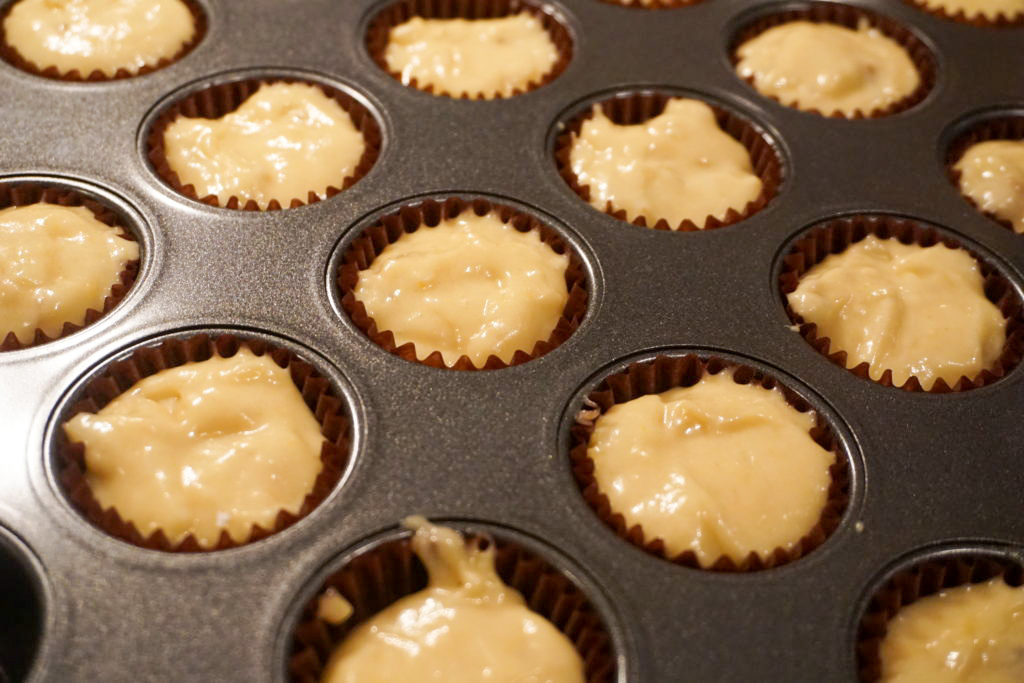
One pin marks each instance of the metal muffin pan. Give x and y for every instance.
(488, 448)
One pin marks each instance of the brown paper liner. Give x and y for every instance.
(374, 580)
(979, 20)
(923, 579)
(627, 109)
(16, 193)
(389, 229)
(120, 376)
(10, 55)
(379, 31)
(834, 236)
(664, 373)
(218, 100)
(1009, 127)
(848, 16)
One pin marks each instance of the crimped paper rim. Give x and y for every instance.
(388, 229)
(632, 107)
(834, 236)
(219, 99)
(11, 55)
(979, 20)
(1007, 126)
(120, 375)
(665, 372)
(23, 193)
(849, 16)
(398, 12)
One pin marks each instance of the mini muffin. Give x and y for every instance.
(59, 266)
(977, 11)
(909, 310)
(677, 166)
(99, 38)
(991, 175)
(829, 68)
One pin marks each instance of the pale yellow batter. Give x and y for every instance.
(223, 444)
(992, 174)
(719, 468)
(828, 67)
(466, 626)
(917, 311)
(56, 263)
(489, 57)
(286, 140)
(98, 35)
(471, 286)
(990, 9)
(678, 165)
(968, 634)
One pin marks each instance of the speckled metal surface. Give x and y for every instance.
(490, 447)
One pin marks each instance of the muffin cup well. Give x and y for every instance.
(850, 17)
(1004, 127)
(664, 373)
(16, 193)
(379, 31)
(373, 580)
(215, 101)
(636, 107)
(13, 57)
(834, 236)
(919, 581)
(979, 20)
(429, 213)
(655, 4)
(120, 375)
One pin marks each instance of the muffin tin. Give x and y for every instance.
(930, 474)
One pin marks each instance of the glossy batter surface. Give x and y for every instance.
(56, 262)
(910, 309)
(286, 140)
(828, 67)
(990, 9)
(678, 165)
(968, 634)
(466, 626)
(992, 174)
(719, 468)
(222, 444)
(471, 286)
(98, 35)
(492, 57)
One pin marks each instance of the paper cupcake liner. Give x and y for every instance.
(389, 229)
(1008, 127)
(379, 30)
(14, 193)
(220, 99)
(637, 107)
(121, 375)
(848, 16)
(920, 581)
(979, 20)
(376, 579)
(834, 236)
(10, 55)
(664, 373)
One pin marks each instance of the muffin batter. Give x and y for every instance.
(466, 626)
(286, 140)
(971, 633)
(56, 262)
(719, 468)
(219, 445)
(489, 57)
(917, 311)
(989, 9)
(828, 67)
(471, 286)
(678, 165)
(992, 174)
(98, 35)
